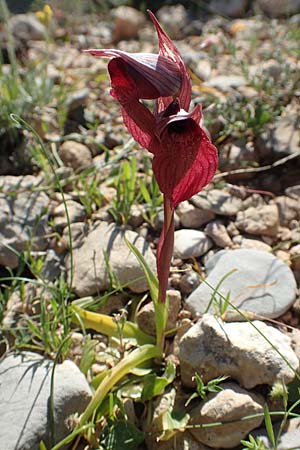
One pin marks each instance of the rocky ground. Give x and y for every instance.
(237, 241)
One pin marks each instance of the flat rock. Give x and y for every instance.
(192, 217)
(263, 220)
(254, 244)
(25, 381)
(23, 217)
(218, 201)
(214, 348)
(262, 284)
(191, 243)
(228, 406)
(76, 213)
(90, 274)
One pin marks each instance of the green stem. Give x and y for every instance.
(134, 359)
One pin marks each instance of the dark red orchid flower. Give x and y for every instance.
(184, 158)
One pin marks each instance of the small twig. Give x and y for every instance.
(258, 169)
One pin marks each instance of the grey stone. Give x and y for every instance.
(127, 23)
(191, 243)
(76, 213)
(253, 244)
(26, 304)
(77, 99)
(231, 8)
(174, 20)
(226, 82)
(263, 220)
(75, 155)
(236, 155)
(146, 318)
(23, 217)
(53, 266)
(78, 231)
(136, 218)
(90, 274)
(276, 8)
(293, 192)
(295, 257)
(203, 69)
(189, 282)
(262, 284)
(192, 217)
(228, 406)
(218, 201)
(27, 27)
(282, 137)
(159, 221)
(25, 381)
(215, 348)
(289, 209)
(216, 230)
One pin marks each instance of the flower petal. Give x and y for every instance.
(155, 75)
(168, 49)
(186, 160)
(141, 124)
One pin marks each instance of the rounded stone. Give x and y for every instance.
(260, 284)
(191, 243)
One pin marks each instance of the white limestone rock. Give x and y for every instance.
(215, 348)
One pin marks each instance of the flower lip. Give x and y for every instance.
(180, 116)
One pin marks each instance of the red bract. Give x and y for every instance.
(184, 158)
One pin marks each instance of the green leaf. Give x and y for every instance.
(269, 426)
(172, 422)
(213, 385)
(200, 386)
(88, 355)
(144, 191)
(150, 276)
(155, 385)
(123, 368)
(106, 325)
(123, 435)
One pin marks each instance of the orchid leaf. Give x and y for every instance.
(150, 276)
(123, 368)
(172, 422)
(155, 385)
(269, 426)
(160, 308)
(106, 325)
(123, 434)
